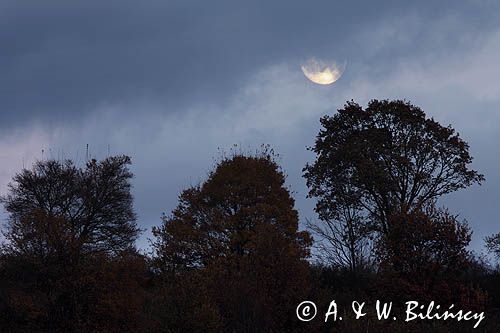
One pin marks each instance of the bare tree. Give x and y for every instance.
(343, 242)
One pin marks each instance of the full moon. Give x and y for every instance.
(321, 72)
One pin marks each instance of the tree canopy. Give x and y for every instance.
(241, 229)
(385, 158)
(68, 261)
(91, 206)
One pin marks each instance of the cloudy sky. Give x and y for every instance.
(170, 83)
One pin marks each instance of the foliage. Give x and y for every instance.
(92, 207)
(68, 261)
(386, 157)
(424, 256)
(374, 162)
(240, 229)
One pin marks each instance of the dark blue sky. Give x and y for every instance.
(170, 82)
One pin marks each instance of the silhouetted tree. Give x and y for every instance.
(240, 229)
(493, 244)
(384, 159)
(94, 202)
(425, 256)
(69, 235)
(344, 242)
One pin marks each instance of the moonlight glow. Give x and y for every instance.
(322, 73)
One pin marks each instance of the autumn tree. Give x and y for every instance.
(239, 229)
(388, 158)
(66, 227)
(425, 257)
(95, 203)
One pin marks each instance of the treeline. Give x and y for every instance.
(231, 256)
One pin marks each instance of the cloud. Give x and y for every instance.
(20, 149)
(61, 61)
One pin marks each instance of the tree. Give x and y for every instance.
(91, 206)
(493, 244)
(344, 242)
(240, 229)
(388, 158)
(70, 232)
(425, 257)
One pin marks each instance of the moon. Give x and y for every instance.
(321, 72)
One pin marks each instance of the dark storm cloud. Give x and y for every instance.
(59, 60)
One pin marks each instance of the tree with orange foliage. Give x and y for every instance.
(239, 232)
